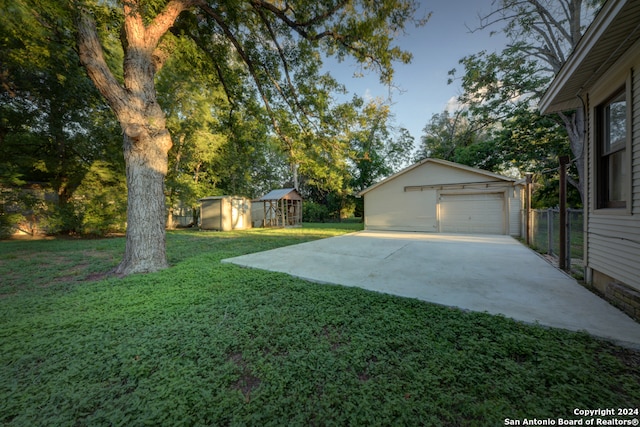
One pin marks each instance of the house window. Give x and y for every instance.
(612, 160)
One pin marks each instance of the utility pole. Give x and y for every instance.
(528, 213)
(562, 256)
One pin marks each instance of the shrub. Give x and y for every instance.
(8, 223)
(314, 212)
(101, 200)
(62, 219)
(23, 210)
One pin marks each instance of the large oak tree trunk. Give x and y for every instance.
(146, 138)
(146, 162)
(146, 146)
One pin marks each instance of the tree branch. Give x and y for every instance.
(549, 20)
(282, 14)
(543, 53)
(250, 65)
(165, 20)
(299, 28)
(285, 65)
(133, 26)
(575, 27)
(92, 58)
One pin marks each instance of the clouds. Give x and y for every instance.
(437, 47)
(453, 105)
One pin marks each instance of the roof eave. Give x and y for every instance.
(555, 99)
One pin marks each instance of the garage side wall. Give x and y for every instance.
(516, 207)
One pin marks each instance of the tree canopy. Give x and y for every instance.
(501, 89)
(53, 123)
(209, 96)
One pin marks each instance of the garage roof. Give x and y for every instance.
(441, 162)
(613, 31)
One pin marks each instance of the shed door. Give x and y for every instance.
(481, 213)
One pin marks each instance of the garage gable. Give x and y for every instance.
(433, 172)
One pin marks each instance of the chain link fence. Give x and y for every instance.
(545, 236)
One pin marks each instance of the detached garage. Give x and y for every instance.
(435, 195)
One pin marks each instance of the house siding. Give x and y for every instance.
(613, 236)
(615, 257)
(635, 135)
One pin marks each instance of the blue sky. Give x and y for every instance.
(436, 48)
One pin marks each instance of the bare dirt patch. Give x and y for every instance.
(247, 381)
(22, 270)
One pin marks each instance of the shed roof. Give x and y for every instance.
(613, 31)
(282, 193)
(212, 198)
(441, 162)
(221, 197)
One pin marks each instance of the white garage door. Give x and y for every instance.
(472, 213)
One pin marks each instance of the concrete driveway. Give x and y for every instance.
(496, 274)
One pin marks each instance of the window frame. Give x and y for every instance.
(604, 150)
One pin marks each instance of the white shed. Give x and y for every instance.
(435, 195)
(225, 213)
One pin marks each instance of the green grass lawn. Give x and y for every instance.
(206, 343)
